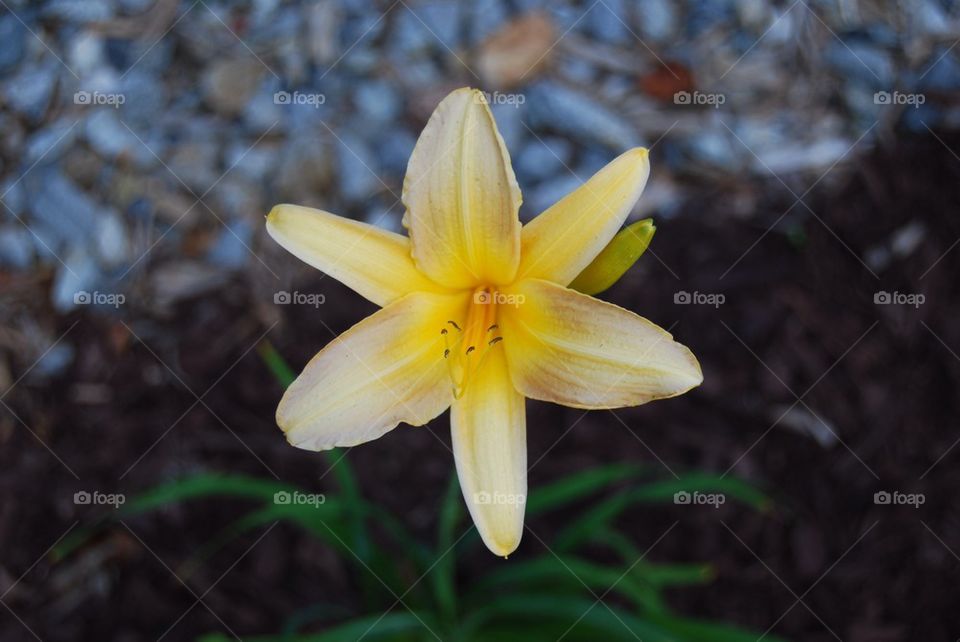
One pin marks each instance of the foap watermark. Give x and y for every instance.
(114, 299)
(485, 297)
(114, 100)
(499, 499)
(716, 299)
(299, 298)
(96, 498)
(699, 98)
(898, 98)
(299, 98)
(896, 498)
(297, 498)
(696, 498)
(898, 298)
(497, 98)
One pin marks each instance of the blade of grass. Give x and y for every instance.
(584, 617)
(393, 626)
(443, 573)
(359, 534)
(550, 574)
(658, 575)
(579, 485)
(705, 631)
(606, 511)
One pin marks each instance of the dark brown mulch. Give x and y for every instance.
(799, 319)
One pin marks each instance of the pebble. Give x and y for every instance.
(60, 207)
(658, 19)
(510, 122)
(358, 167)
(16, 246)
(111, 139)
(394, 149)
(50, 142)
(540, 159)
(13, 196)
(578, 115)
(608, 22)
(941, 75)
(230, 249)
(30, 90)
(861, 62)
(79, 273)
(12, 37)
(111, 238)
(78, 11)
(542, 196)
(54, 361)
(228, 84)
(378, 102)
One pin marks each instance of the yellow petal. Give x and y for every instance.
(372, 261)
(559, 243)
(386, 369)
(569, 348)
(462, 197)
(490, 448)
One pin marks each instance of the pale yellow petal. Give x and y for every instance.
(490, 448)
(569, 348)
(462, 197)
(386, 369)
(372, 261)
(559, 243)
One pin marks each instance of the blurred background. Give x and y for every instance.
(805, 183)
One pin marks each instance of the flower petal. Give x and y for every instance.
(462, 197)
(372, 261)
(386, 369)
(569, 348)
(559, 243)
(490, 448)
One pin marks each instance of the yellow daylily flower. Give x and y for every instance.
(476, 315)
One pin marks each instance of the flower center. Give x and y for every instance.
(467, 344)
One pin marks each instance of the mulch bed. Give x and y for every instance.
(799, 319)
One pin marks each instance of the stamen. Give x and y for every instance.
(479, 323)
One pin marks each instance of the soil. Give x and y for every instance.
(798, 318)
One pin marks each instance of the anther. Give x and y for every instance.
(494, 341)
(471, 349)
(493, 327)
(455, 326)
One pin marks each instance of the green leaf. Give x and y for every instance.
(616, 258)
(583, 618)
(359, 535)
(706, 631)
(444, 585)
(579, 485)
(550, 574)
(606, 511)
(204, 485)
(657, 575)
(278, 366)
(392, 626)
